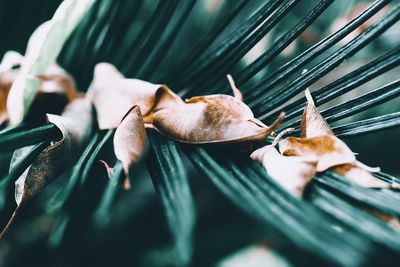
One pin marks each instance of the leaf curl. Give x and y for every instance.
(199, 120)
(292, 173)
(317, 139)
(130, 140)
(329, 150)
(75, 125)
(113, 95)
(312, 122)
(208, 119)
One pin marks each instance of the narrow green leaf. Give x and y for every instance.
(367, 126)
(102, 214)
(359, 220)
(18, 139)
(296, 224)
(383, 200)
(171, 183)
(57, 202)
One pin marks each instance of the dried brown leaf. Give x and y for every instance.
(312, 122)
(292, 173)
(317, 138)
(75, 125)
(202, 119)
(130, 140)
(391, 220)
(113, 95)
(236, 92)
(329, 150)
(209, 119)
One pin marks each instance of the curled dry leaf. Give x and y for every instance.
(312, 122)
(198, 120)
(107, 167)
(56, 89)
(208, 119)
(317, 139)
(113, 95)
(75, 125)
(292, 173)
(236, 92)
(54, 93)
(329, 150)
(130, 140)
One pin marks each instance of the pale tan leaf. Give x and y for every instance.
(130, 140)
(55, 92)
(312, 122)
(113, 95)
(56, 79)
(236, 92)
(391, 220)
(329, 150)
(318, 138)
(292, 173)
(74, 124)
(209, 119)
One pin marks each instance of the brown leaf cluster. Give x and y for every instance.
(212, 119)
(316, 150)
(57, 89)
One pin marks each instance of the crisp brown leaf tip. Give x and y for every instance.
(236, 92)
(208, 119)
(312, 122)
(130, 140)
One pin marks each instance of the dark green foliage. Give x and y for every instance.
(14, 140)
(171, 183)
